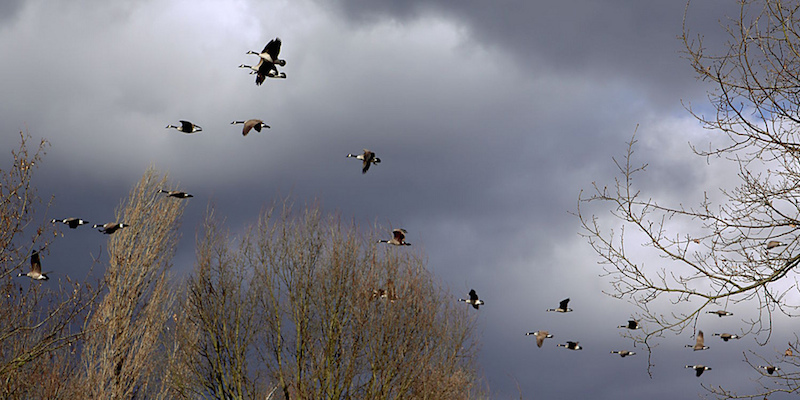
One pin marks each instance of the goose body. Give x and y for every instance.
(540, 336)
(699, 369)
(270, 52)
(632, 325)
(175, 193)
(720, 313)
(262, 71)
(367, 158)
(110, 227)
(699, 342)
(570, 345)
(726, 336)
(398, 238)
(256, 124)
(773, 244)
(770, 368)
(186, 127)
(562, 307)
(624, 353)
(390, 293)
(36, 268)
(473, 299)
(71, 222)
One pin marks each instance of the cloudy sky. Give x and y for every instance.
(490, 118)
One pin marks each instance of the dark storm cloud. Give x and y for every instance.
(635, 39)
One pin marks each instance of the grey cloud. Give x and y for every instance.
(8, 11)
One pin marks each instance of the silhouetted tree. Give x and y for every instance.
(125, 352)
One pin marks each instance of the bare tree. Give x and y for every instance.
(217, 325)
(291, 310)
(728, 257)
(125, 353)
(40, 322)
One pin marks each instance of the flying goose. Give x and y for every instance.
(36, 268)
(570, 346)
(632, 325)
(388, 293)
(186, 127)
(770, 368)
(71, 222)
(562, 307)
(726, 336)
(540, 336)
(623, 353)
(266, 62)
(473, 299)
(720, 313)
(699, 345)
(110, 227)
(256, 124)
(175, 193)
(699, 369)
(270, 52)
(398, 238)
(774, 243)
(262, 71)
(368, 158)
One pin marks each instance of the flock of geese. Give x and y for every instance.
(633, 324)
(108, 228)
(268, 61)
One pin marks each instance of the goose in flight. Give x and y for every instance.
(263, 71)
(175, 193)
(270, 52)
(256, 124)
(186, 127)
(720, 313)
(110, 227)
(562, 307)
(632, 325)
(699, 369)
(398, 238)
(36, 269)
(699, 342)
(770, 368)
(774, 243)
(367, 157)
(389, 293)
(624, 353)
(71, 222)
(473, 299)
(726, 336)
(570, 346)
(540, 336)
